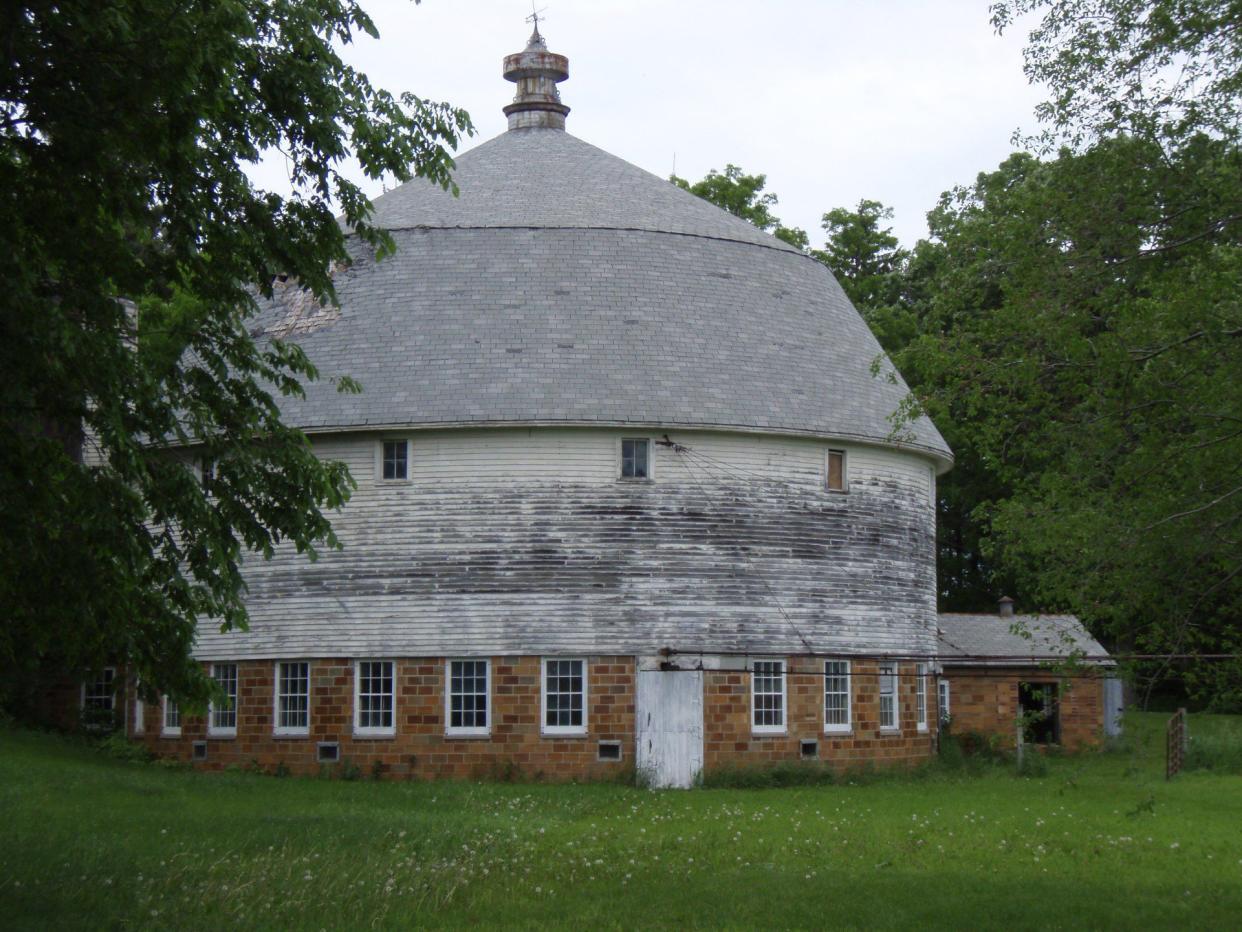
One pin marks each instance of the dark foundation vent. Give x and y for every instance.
(198, 750)
(328, 752)
(810, 749)
(610, 750)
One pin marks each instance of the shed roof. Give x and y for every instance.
(1016, 640)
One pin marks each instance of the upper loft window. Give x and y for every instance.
(207, 473)
(395, 460)
(635, 458)
(836, 471)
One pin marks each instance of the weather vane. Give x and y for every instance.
(535, 14)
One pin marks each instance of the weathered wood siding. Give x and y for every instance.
(523, 541)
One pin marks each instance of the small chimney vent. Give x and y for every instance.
(1006, 607)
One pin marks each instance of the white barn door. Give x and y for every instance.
(669, 730)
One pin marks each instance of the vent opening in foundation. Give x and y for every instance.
(198, 750)
(328, 752)
(810, 749)
(610, 750)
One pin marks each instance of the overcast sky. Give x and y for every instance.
(834, 100)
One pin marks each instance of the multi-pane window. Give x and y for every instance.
(564, 697)
(99, 692)
(888, 696)
(836, 695)
(836, 470)
(635, 455)
(943, 696)
(374, 698)
(293, 698)
(920, 696)
(207, 473)
(222, 716)
(768, 696)
(171, 725)
(396, 459)
(468, 697)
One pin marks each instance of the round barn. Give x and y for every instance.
(629, 495)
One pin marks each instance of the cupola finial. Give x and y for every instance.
(536, 72)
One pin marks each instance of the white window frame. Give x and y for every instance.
(544, 727)
(374, 731)
(224, 731)
(166, 730)
(837, 728)
(379, 460)
(289, 731)
(845, 470)
(109, 675)
(783, 727)
(888, 672)
(467, 731)
(943, 697)
(920, 696)
(140, 713)
(650, 477)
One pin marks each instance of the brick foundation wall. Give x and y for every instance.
(420, 749)
(986, 701)
(729, 741)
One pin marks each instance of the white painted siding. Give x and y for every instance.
(524, 541)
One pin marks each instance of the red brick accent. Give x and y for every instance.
(985, 700)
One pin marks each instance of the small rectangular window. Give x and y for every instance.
(327, 752)
(920, 696)
(768, 696)
(809, 749)
(564, 697)
(468, 696)
(293, 698)
(99, 692)
(170, 727)
(836, 470)
(635, 458)
(198, 750)
(222, 717)
(609, 750)
(374, 698)
(396, 459)
(888, 697)
(837, 696)
(943, 696)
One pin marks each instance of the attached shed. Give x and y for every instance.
(997, 667)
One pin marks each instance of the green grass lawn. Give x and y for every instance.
(1100, 841)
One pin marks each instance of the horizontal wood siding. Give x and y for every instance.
(523, 541)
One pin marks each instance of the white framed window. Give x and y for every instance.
(170, 719)
(467, 700)
(767, 697)
(206, 473)
(564, 696)
(942, 694)
(222, 718)
(99, 693)
(635, 458)
(292, 712)
(374, 698)
(837, 704)
(920, 696)
(888, 697)
(140, 713)
(393, 460)
(835, 472)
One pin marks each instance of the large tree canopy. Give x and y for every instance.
(132, 246)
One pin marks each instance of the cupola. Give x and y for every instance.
(536, 72)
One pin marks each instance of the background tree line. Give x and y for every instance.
(1073, 325)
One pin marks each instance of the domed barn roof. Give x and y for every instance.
(565, 286)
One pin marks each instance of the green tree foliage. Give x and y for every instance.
(1081, 338)
(132, 248)
(742, 195)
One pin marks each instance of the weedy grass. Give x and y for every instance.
(1097, 841)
